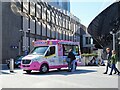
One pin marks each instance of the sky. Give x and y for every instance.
(87, 10)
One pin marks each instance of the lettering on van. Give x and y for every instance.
(40, 43)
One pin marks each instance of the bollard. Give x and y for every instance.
(11, 65)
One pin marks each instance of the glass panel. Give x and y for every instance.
(68, 47)
(32, 8)
(51, 51)
(53, 32)
(38, 28)
(38, 9)
(43, 29)
(25, 7)
(39, 50)
(44, 13)
(63, 22)
(60, 21)
(48, 30)
(86, 40)
(48, 15)
(32, 26)
(31, 46)
(56, 19)
(53, 18)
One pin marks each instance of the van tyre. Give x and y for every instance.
(58, 69)
(28, 71)
(44, 68)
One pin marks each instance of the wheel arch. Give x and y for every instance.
(44, 62)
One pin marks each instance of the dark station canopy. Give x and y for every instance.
(108, 20)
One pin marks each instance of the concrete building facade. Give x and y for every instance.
(61, 4)
(23, 22)
(86, 40)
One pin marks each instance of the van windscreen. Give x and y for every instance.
(39, 50)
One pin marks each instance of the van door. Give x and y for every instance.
(51, 55)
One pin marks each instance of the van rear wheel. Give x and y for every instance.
(44, 68)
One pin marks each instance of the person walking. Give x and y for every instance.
(113, 62)
(109, 54)
(71, 65)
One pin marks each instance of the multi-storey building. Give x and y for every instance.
(23, 22)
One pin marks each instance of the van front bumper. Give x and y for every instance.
(32, 66)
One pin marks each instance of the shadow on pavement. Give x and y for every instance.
(62, 72)
(7, 71)
(2, 72)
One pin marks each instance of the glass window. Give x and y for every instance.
(69, 25)
(66, 49)
(48, 15)
(60, 21)
(72, 26)
(38, 9)
(51, 51)
(44, 13)
(64, 22)
(56, 19)
(32, 8)
(39, 50)
(25, 7)
(86, 40)
(53, 18)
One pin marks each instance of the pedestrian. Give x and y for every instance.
(114, 60)
(71, 64)
(109, 54)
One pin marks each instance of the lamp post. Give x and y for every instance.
(29, 39)
(113, 33)
(119, 40)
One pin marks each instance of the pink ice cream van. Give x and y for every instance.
(50, 54)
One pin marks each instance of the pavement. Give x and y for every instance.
(84, 77)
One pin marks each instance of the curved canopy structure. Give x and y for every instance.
(108, 20)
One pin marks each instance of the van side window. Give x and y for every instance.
(51, 51)
(76, 50)
(66, 49)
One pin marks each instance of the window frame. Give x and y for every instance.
(50, 51)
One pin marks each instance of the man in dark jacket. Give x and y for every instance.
(109, 54)
(72, 58)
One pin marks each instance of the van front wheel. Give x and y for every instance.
(28, 71)
(44, 68)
